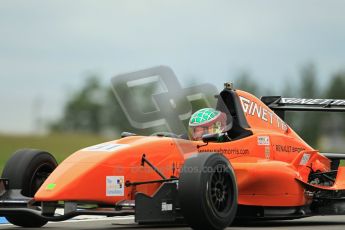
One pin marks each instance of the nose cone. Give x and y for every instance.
(82, 176)
(98, 173)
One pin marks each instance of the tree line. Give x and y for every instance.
(95, 109)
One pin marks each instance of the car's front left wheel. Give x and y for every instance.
(27, 170)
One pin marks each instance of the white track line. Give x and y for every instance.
(98, 219)
(86, 220)
(86, 217)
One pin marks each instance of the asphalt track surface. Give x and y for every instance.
(127, 223)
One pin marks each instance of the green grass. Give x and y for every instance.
(60, 145)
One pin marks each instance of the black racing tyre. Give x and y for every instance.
(26, 170)
(208, 191)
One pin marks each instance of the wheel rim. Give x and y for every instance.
(220, 189)
(39, 176)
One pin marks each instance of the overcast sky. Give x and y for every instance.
(48, 47)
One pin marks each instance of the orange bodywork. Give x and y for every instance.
(267, 164)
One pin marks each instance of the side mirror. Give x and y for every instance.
(127, 134)
(213, 137)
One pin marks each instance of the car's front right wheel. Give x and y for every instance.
(208, 191)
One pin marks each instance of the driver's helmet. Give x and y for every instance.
(206, 121)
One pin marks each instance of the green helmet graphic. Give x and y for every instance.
(204, 116)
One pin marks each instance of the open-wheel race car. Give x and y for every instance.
(257, 167)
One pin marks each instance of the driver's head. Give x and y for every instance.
(206, 121)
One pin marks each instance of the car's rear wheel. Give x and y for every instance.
(26, 170)
(208, 191)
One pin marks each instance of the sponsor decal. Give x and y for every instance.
(263, 140)
(253, 109)
(115, 186)
(50, 186)
(267, 152)
(289, 149)
(301, 101)
(304, 159)
(227, 151)
(106, 147)
(166, 207)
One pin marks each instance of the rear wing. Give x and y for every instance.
(279, 104)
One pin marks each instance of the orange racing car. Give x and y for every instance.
(254, 166)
